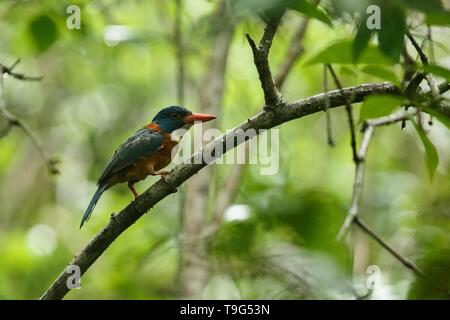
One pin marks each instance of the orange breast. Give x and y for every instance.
(158, 160)
(147, 165)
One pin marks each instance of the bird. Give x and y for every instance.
(145, 153)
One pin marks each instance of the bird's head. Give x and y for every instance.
(172, 118)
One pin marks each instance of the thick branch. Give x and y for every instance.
(164, 187)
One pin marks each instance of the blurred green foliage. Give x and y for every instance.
(104, 81)
(379, 105)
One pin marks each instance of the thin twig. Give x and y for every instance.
(430, 41)
(353, 213)
(409, 66)
(16, 121)
(405, 261)
(358, 182)
(422, 55)
(18, 76)
(330, 140)
(435, 96)
(413, 84)
(368, 130)
(349, 110)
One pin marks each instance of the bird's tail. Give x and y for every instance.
(93, 202)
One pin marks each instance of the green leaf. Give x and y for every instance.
(423, 5)
(362, 39)
(274, 8)
(379, 105)
(393, 27)
(434, 11)
(431, 155)
(381, 73)
(43, 31)
(308, 9)
(347, 71)
(341, 52)
(435, 264)
(438, 71)
(438, 18)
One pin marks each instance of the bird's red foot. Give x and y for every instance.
(131, 186)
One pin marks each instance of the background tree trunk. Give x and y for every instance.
(194, 266)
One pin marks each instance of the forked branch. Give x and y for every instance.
(272, 96)
(14, 121)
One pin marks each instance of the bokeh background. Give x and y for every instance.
(278, 238)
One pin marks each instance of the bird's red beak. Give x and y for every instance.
(198, 117)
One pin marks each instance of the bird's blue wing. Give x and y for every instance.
(143, 143)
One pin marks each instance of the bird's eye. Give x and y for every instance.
(175, 116)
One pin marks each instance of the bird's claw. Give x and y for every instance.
(162, 174)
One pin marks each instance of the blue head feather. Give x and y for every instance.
(171, 118)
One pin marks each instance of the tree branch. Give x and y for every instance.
(272, 96)
(368, 130)
(349, 110)
(164, 187)
(422, 55)
(330, 140)
(228, 192)
(18, 76)
(353, 212)
(405, 261)
(194, 266)
(16, 121)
